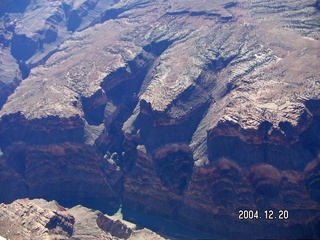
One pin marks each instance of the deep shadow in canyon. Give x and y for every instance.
(177, 113)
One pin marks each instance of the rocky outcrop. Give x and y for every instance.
(24, 219)
(190, 111)
(10, 76)
(32, 31)
(44, 32)
(39, 219)
(116, 228)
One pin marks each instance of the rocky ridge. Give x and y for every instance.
(39, 219)
(185, 110)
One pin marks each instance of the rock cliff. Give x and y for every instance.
(185, 110)
(39, 219)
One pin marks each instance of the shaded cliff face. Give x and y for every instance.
(185, 110)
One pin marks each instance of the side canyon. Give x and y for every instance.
(182, 110)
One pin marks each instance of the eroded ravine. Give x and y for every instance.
(188, 111)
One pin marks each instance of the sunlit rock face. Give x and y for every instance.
(40, 219)
(186, 110)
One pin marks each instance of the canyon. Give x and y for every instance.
(183, 111)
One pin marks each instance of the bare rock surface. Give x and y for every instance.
(187, 110)
(25, 220)
(10, 75)
(40, 219)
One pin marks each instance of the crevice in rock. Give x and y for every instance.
(24, 69)
(133, 73)
(22, 47)
(74, 21)
(153, 137)
(288, 129)
(93, 107)
(230, 5)
(163, 156)
(193, 13)
(264, 128)
(220, 63)
(121, 89)
(111, 14)
(49, 36)
(175, 170)
(229, 87)
(74, 17)
(66, 8)
(157, 48)
(203, 13)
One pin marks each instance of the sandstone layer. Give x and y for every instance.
(185, 110)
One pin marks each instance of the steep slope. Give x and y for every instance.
(190, 111)
(39, 219)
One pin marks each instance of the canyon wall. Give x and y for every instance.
(184, 110)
